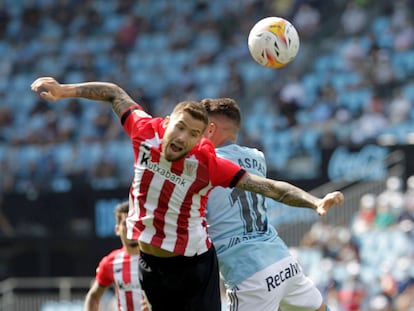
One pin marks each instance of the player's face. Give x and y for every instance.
(121, 231)
(182, 133)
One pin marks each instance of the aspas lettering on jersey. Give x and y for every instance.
(169, 198)
(121, 269)
(238, 221)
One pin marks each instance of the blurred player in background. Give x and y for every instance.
(120, 269)
(258, 270)
(175, 169)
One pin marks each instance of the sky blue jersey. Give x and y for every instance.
(238, 224)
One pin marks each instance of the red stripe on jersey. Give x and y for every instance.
(126, 276)
(182, 224)
(185, 208)
(160, 211)
(110, 272)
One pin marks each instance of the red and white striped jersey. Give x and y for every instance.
(121, 269)
(169, 198)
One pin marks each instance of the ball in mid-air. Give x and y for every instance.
(273, 42)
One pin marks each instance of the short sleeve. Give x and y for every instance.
(104, 273)
(227, 173)
(130, 117)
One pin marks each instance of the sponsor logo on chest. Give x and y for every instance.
(190, 168)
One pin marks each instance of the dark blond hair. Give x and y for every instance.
(196, 109)
(226, 107)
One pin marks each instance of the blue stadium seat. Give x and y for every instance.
(27, 155)
(309, 139)
(323, 63)
(408, 90)
(120, 150)
(63, 153)
(252, 72)
(341, 81)
(3, 151)
(210, 89)
(400, 131)
(403, 64)
(62, 306)
(380, 23)
(113, 22)
(312, 82)
(90, 153)
(152, 42)
(355, 100)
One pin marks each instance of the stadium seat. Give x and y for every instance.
(355, 100)
(408, 90)
(342, 80)
(62, 306)
(380, 23)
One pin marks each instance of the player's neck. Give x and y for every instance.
(132, 250)
(226, 140)
(226, 143)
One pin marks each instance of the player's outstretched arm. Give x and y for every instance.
(53, 91)
(289, 194)
(93, 297)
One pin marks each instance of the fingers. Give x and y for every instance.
(331, 199)
(42, 82)
(36, 85)
(48, 96)
(321, 211)
(46, 87)
(338, 198)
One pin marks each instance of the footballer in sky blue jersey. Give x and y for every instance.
(258, 270)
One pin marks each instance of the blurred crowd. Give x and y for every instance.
(368, 265)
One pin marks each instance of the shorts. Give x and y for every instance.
(181, 283)
(281, 284)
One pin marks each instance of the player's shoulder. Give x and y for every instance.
(239, 149)
(205, 143)
(205, 147)
(109, 258)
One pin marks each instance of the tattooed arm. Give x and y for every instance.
(289, 194)
(52, 90)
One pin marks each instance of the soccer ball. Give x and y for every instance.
(273, 42)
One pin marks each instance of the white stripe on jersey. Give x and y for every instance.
(126, 278)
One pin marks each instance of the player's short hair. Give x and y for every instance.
(196, 109)
(121, 208)
(226, 107)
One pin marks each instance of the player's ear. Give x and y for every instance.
(211, 128)
(116, 229)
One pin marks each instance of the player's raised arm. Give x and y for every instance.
(289, 194)
(52, 90)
